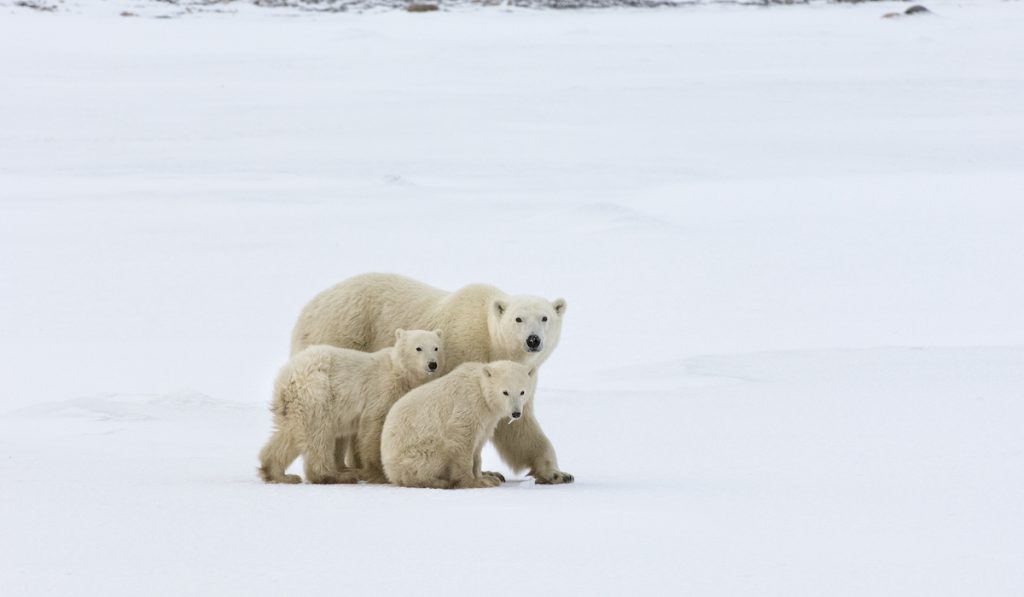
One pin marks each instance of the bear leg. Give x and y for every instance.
(345, 454)
(319, 465)
(276, 457)
(371, 468)
(523, 445)
(478, 473)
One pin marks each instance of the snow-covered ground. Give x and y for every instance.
(792, 242)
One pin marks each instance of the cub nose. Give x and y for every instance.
(533, 341)
(516, 414)
(432, 365)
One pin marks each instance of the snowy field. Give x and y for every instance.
(791, 241)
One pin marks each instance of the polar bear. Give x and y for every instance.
(434, 434)
(324, 393)
(481, 324)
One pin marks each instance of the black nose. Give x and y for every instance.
(533, 341)
(516, 414)
(432, 365)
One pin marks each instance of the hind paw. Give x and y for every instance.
(335, 479)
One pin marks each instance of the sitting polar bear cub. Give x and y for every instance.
(324, 393)
(433, 436)
(481, 324)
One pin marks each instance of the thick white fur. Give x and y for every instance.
(433, 436)
(479, 325)
(325, 393)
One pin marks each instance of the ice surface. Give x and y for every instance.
(790, 240)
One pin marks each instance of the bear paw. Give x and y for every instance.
(373, 478)
(500, 477)
(473, 483)
(335, 479)
(555, 478)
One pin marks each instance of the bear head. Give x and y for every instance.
(419, 353)
(507, 387)
(525, 329)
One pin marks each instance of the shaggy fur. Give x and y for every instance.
(325, 393)
(481, 324)
(433, 436)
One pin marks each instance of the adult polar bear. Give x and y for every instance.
(480, 323)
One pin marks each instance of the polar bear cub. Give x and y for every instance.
(325, 393)
(433, 436)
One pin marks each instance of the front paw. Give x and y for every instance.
(500, 477)
(554, 478)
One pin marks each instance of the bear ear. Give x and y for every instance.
(559, 305)
(438, 332)
(399, 333)
(530, 372)
(488, 372)
(500, 306)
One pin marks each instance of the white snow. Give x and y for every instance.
(790, 239)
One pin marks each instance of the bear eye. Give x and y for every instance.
(435, 349)
(545, 318)
(519, 320)
(521, 392)
(419, 349)
(505, 393)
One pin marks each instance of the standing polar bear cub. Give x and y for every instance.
(481, 324)
(433, 436)
(324, 393)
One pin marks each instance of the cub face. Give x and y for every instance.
(420, 352)
(527, 326)
(507, 387)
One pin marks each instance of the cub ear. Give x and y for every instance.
(500, 306)
(438, 332)
(399, 333)
(530, 372)
(559, 305)
(488, 372)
